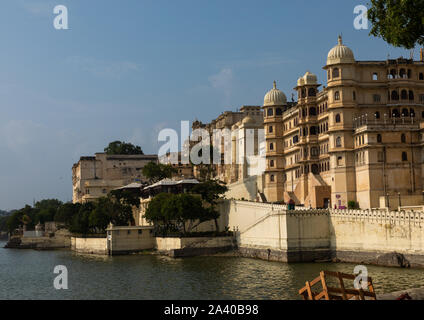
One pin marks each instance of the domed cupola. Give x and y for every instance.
(340, 54)
(310, 79)
(300, 82)
(275, 97)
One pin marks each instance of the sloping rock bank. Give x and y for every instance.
(415, 294)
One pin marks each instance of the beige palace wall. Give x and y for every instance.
(304, 235)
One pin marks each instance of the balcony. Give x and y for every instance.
(387, 124)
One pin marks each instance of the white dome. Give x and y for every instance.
(340, 54)
(300, 82)
(310, 78)
(275, 97)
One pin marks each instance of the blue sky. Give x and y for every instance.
(126, 69)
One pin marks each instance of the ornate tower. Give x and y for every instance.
(342, 103)
(275, 103)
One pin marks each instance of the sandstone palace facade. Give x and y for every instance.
(359, 139)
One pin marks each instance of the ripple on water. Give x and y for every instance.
(28, 274)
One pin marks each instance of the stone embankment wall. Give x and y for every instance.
(274, 233)
(60, 240)
(185, 247)
(89, 245)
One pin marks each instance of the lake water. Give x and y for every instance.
(28, 274)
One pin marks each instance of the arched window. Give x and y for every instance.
(404, 95)
(314, 151)
(379, 138)
(377, 115)
(303, 92)
(278, 112)
(393, 74)
(403, 138)
(395, 95)
(271, 146)
(409, 73)
(375, 76)
(271, 178)
(402, 73)
(338, 118)
(412, 113)
(270, 129)
(315, 169)
(405, 112)
(395, 113)
(339, 161)
(338, 142)
(271, 163)
(295, 139)
(411, 95)
(312, 92)
(336, 73)
(421, 76)
(270, 112)
(404, 156)
(312, 111)
(337, 96)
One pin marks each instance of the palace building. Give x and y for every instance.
(356, 142)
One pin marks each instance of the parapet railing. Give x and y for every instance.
(380, 215)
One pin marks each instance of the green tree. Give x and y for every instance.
(155, 172)
(211, 191)
(122, 148)
(398, 22)
(66, 212)
(81, 221)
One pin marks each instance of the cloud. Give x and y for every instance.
(222, 81)
(102, 68)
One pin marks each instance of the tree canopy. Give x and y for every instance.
(122, 148)
(155, 172)
(398, 22)
(177, 212)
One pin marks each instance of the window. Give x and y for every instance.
(313, 131)
(421, 76)
(402, 73)
(295, 139)
(395, 113)
(270, 112)
(354, 96)
(404, 95)
(336, 73)
(421, 97)
(129, 232)
(140, 231)
(104, 191)
(337, 96)
(272, 178)
(271, 163)
(405, 112)
(270, 129)
(379, 138)
(380, 157)
(278, 112)
(271, 146)
(338, 118)
(375, 76)
(403, 138)
(404, 156)
(395, 95)
(376, 98)
(412, 113)
(312, 111)
(328, 74)
(411, 95)
(338, 142)
(377, 115)
(339, 161)
(311, 92)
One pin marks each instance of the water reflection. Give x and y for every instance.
(29, 274)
